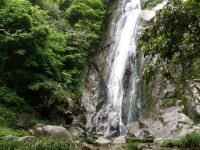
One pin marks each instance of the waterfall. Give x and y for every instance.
(122, 74)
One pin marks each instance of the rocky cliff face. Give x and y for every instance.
(164, 116)
(157, 119)
(94, 90)
(93, 94)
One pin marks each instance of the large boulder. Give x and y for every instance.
(140, 131)
(25, 138)
(172, 124)
(76, 131)
(119, 140)
(102, 141)
(135, 130)
(49, 130)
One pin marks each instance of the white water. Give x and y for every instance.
(122, 52)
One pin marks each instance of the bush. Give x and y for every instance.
(171, 143)
(131, 145)
(169, 100)
(191, 140)
(11, 105)
(88, 139)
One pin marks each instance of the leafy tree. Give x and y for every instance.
(174, 35)
(43, 51)
(175, 32)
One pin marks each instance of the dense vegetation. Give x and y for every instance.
(173, 37)
(191, 140)
(150, 3)
(43, 143)
(44, 46)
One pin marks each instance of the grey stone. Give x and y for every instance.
(25, 138)
(174, 124)
(148, 15)
(76, 131)
(197, 109)
(134, 130)
(102, 141)
(86, 146)
(119, 140)
(93, 95)
(158, 140)
(56, 131)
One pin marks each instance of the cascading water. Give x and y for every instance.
(121, 86)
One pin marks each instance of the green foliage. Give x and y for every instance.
(42, 56)
(88, 139)
(9, 98)
(8, 131)
(149, 71)
(131, 145)
(171, 143)
(86, 18)
(174, 31)
(44, 143)
(8, 117)
(11, 105)
(151, 3)
(191, 140)
(173, 37)
(169, 100)
(195, 67)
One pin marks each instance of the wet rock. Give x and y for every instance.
(119, 140)
(56, 131)
(102, 141)
(25, 138)
(114, 123)
(93, 95)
